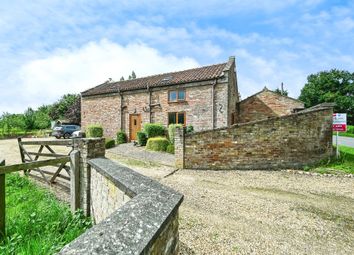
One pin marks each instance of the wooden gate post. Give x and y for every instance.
(75, 180)
(2, 202)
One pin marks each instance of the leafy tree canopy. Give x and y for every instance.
(280, 92)
(59, 108)
(335, 86)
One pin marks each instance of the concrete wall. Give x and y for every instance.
(105, 197)
(133, 213)
(283, 142)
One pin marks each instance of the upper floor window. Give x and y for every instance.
(177, 95)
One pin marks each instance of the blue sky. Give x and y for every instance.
(49, 48)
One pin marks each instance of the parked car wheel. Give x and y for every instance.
(66, 135)
(57, 137)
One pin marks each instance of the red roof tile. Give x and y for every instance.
(192, 75)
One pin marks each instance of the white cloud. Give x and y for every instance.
(44, 80)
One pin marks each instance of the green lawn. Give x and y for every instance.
(36, 222)
(349, 133)
(345, 164)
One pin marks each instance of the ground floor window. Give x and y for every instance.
(177, 118)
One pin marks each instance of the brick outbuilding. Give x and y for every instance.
(266, 104)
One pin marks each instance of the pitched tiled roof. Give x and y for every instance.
(166, 79)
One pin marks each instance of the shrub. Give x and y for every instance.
(172, 131)
(94, 131)
(157, 144)
(121, 137)
(189, 129)
(154, 129)
(109, 143)
(142, 138)
(171, 148)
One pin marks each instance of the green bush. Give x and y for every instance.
(94, 131)
(121, 137)
(154, 129)
(170, 148)
(109, 143)
(350, 129)
(157, 144)
(172, 131)
(142, 138)
(189, 129)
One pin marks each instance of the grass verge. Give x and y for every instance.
(345, 163)
(36, 222)
(349, 133)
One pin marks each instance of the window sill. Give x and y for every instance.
(177, 102)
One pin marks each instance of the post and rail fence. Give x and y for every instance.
(132, 213)
(73, 158)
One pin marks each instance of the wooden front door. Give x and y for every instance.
(135, 125)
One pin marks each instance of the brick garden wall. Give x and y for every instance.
(283, 142)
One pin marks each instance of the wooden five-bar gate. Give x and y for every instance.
(61, 175)
(31, 163)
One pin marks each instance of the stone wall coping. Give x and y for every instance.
(317, 108)
(132, 228)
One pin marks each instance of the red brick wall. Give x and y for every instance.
(266, 104)
(290, 141)
(101, 110)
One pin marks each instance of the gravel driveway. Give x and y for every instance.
(252, 212)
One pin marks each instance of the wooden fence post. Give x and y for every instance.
(75, 180)
(2, 202)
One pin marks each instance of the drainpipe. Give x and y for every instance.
(121, 110)
(149, 91)
(212, 105)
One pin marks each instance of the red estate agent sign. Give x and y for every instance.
(339, 122)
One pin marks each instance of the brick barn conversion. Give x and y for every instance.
(205, 97)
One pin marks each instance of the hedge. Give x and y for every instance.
(109, 143)
(142, 138)
(94, 131)
(121, 137)
(157, 144)
(170, 148)
(154, 130)
(172, 131)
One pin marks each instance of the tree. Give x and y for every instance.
(133, 75)
(60, 107)
(29, 118)
(280, 92)
(41, 117)
(335, 86)
(73, 114)
(122, 78)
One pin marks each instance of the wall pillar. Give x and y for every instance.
(88, 148)
(179, 147)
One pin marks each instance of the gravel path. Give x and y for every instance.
(259, 212)
(139, 153)
(251, 212)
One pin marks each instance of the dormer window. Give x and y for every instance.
(177, 95)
